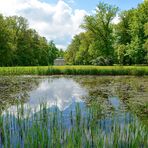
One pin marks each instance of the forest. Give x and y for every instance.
(102, 42)
(22, 46)
(107, 43)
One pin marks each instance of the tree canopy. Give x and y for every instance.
(20, 45)
(102, 42)
(106, 43)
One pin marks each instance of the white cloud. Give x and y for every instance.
(116, 20)
(55, 22)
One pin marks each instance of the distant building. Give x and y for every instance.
(59, 62)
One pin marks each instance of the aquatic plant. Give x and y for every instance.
(50, 128)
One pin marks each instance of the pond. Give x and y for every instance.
(73, 111)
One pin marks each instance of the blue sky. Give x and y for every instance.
(89, 5)
(58, 20)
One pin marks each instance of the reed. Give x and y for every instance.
(75, 70)
(49, 128)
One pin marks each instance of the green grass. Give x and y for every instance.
(75, 70)
(47, 129)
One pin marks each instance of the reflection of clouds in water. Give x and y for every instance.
(61, 92)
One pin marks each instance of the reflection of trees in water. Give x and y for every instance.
(14, 90)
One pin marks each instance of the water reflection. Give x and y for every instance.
(101, 116)
(114, 102)
(60, 92)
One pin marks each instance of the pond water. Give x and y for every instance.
(104, 102)
(60, 93)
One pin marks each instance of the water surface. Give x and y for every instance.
(107, 101)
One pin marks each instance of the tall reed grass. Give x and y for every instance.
(50, 128)
(75, 70)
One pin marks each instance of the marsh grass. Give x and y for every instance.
(75, 70)
(50, 128)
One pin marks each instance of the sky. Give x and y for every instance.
(58, 20)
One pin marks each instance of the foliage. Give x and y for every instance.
(124, 43)
(20, 45)
(97, 40)
(101, 43)
(131, 35)
(72, 50)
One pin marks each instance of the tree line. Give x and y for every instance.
(102, 42)
(106, 43)
(22, 46)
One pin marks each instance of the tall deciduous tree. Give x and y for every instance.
(100, 25)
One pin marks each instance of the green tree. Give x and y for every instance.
(100, 25)
(52, 52)
(61, 53)
(73, 48)
(7, 47)
(130, 34)
(20, 45)
(145, 46)
(121, 54)
(122, 33)
(82, 55)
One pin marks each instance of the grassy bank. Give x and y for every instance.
(75, 70)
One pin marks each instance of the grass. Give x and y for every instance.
(47, 128)
(75, 70)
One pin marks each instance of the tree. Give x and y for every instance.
(52, 53)
(145, 46)
(20, 45)
(130, 34)
(122, 33)
(6, 43)
(82, 55)
(72, 49)
(61, 53)
(121, 54)
(97, 41)
(100, 25)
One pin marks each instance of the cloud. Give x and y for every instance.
(116, 20)
(54, 21)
